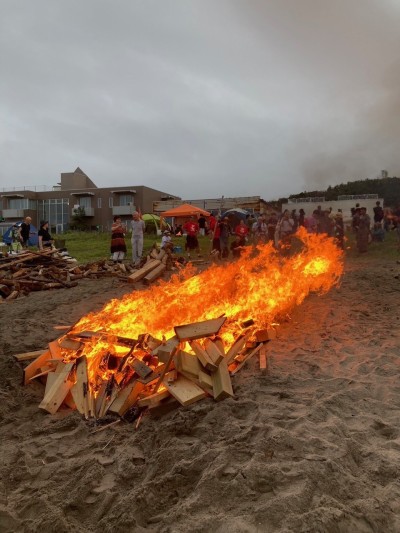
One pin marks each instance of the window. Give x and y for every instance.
(99, 203)
(110, 202)
(85, 201)
(125, 199)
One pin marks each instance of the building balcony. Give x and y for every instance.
(123, 209)
(13, 213)
(89, 212)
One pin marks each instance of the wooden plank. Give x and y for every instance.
(27, 356)
(222, 385)
(126, 398)
(203, 356)
(266, 334)
(58, 390)
(68, 401)
(237, 347)
(245, 359)
(164, 351)
(188, 364)
(35, 367)
(142, 272)
(141, 369)
(155, 273)
(154, 399)
(220, 344)
(167, 367)
(213, 351)
(80, 390)
(185, 391)
(198, 330)
(55, 350)
(205, 381)
(70, 344)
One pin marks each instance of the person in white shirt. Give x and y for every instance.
(166, 241)
(137, 226)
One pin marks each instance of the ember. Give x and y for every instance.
(214, 322)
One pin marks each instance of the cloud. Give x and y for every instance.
(199, 98)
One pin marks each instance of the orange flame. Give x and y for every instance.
(262, 285)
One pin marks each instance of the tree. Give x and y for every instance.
(79, 217)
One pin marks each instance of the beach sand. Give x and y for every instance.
(312, 447)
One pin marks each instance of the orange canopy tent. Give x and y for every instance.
(185, 210)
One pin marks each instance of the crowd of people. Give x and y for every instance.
(228, 237)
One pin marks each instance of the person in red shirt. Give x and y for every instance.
(241, 231)
(191, 228)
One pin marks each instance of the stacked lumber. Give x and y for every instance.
(23, 273)
(157, 262)
(147, 373)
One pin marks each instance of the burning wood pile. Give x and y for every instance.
(128, 355)
(128, 374)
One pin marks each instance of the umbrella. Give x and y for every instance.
(236, 212)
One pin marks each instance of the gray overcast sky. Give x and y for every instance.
(200, 98)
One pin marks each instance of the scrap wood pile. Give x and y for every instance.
(30, 271)
(147, 373)
(153, 267)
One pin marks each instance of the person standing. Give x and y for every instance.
(378, 213)
(45, 240)
(242, 231)
(25, 231)
(137, 226)
(118, 246)
(202, 225)
(191, 228)
(224, 237)
(363, 229)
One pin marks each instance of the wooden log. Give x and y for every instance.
(5, 290)
(236, 347)
(185, 391)
(13, 295)
(213, 351)
(126, 398)
(58, 390)
(203, 356)
(142, 272)
(27, 356)
(222, 385)
(198, 330)
(155, 273)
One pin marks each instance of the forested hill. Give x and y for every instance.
(386, 188)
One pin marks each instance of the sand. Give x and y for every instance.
(312, 447)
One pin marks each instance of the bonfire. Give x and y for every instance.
(183, 338)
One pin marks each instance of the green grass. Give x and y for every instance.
(86, 247)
